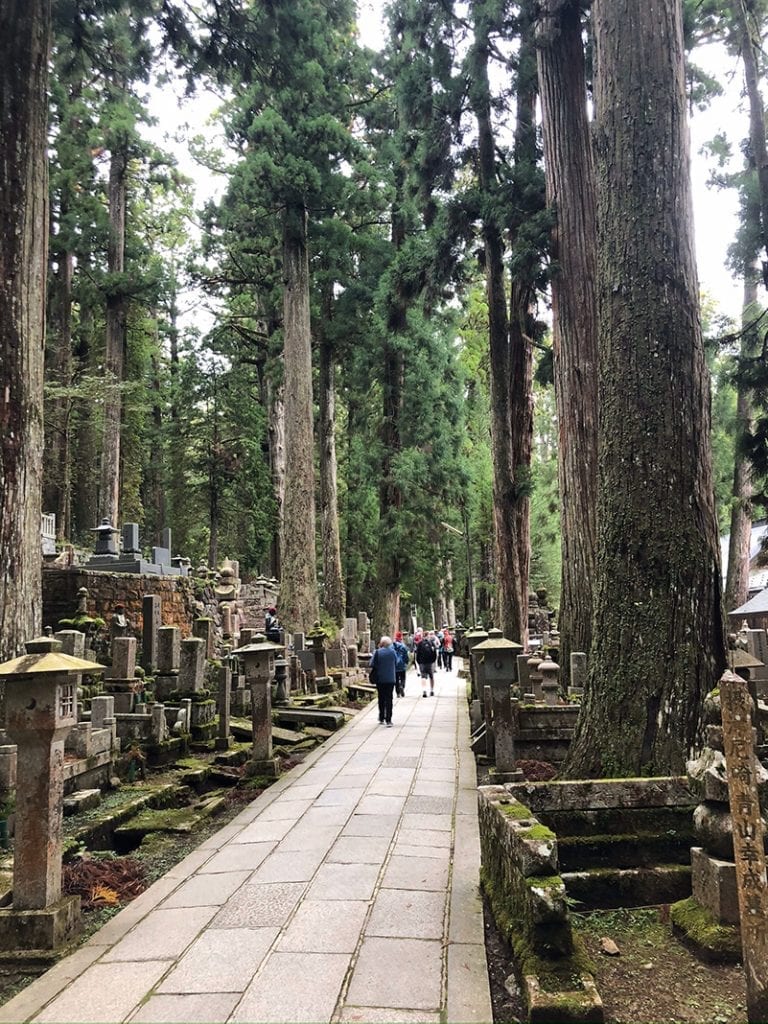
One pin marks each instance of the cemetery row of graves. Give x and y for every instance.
(127, 734)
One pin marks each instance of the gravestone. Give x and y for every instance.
(223, 702)
(131, 540)
(168, 650)
(151, 615)
(203, 629)
(124, 657)
(192, 665)
(578, 674)
(72, 642)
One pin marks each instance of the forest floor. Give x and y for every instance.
(654, 978)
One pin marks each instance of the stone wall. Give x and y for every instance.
(184, 599)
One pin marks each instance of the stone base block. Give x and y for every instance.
(124, 703)
(82, 800)
(498, 778)
(241, 703)
(713, 883)
(583, 1004)
(268, 767)
(165, 686)
(52, 928)
(222, 743)
(324, 684)
(201, 733)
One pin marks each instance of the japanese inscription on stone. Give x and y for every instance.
(749, 852)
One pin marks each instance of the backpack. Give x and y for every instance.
(425, 652)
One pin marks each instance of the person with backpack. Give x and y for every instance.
(383, 673)
(426, 656)
(402, 664)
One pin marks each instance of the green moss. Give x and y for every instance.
(515, 810)
(538, 832)
(545, 882)
(698, 924)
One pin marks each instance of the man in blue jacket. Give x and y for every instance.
(383, 668)
(402, 664)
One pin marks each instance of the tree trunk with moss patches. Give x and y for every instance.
(24, 43)
(737, 579)
(298, 584)
(571, 195)
(658, 642)
(276, 410)
(114, 361)
(333, 584)
(751, 46)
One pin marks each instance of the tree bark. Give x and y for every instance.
(333, 584)
(570, 182)
(298, 586)
(737, 579)
(658, 639)
(751, 45)
(276, 408)
(114, 361)
(24, 45)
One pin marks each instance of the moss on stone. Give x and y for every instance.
(515, 810)
(539, 832)
(545, 882)
(697, 924)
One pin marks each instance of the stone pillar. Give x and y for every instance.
(151, 614)
(248, 635)
(535, 678)
(191, 665)
(203, 629)
(226, 620)
(548, 670)
(504, 733)
(281, 688)
(578, 674)
(168, 650)
(124, 657)
(522, 673)
(223, 698)
(72, 642)
(298, 643)
(487, 709)
(102, 711)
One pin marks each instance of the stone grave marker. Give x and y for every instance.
(151, 614)
(203, 629)
(192, 665)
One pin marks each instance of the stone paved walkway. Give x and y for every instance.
(347, 892)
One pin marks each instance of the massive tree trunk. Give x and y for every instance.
(571, 195)
(511, 360)
(276, 411)
(658, 642)
(333, 584)
(737, 580)
(114, 360)
(85, 439)
(298, 585)
(24, 42)
(751, 45)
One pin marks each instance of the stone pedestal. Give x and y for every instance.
(503, 727)
(123, 657)
(52, 927)
(535, 678)
(203, 630)
(168, 650)
(72, 642)
(713, 884)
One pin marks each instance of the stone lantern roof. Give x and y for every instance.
(497, 644)
(44, 657)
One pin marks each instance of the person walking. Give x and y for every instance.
(383, 668)
(447, 649)
(426, 655)
(402, 664)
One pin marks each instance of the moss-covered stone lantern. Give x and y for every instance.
(41, 709)
(258, 658)
(472, 639)
(498, 657)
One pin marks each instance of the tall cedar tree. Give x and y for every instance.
(658, 640)
(24, 49)
(511, 331)
(569, 168)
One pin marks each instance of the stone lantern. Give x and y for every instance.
(499, 663)
(41, 709)
(105, 549)
(548, 670)
(472, 639)
(315, 640)
(259, 661)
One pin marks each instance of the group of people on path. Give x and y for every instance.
(389, 664)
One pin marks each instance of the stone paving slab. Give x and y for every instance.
(347, 891)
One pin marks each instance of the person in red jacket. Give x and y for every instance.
(447, 649)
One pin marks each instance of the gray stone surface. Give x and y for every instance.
(105, 992)
(310, 837)
(325, 926)
(197, 1009)
(424, 837)
(237, 857)
(263, 831)
(398, 972)
(207, 890)
(344, 882)
(468, 996)
(429, 804)
(441, 853)
(359, 850)
(386, 1015)
(371, 825)
(161, 935)
(290, 865)
(294, 987)
(285, 810)
(428, 822)
(407, 914)
(265, 905)
(407, 873)
(216, 963)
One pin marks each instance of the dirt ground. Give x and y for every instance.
(655, 978)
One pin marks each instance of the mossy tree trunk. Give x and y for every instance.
(658, 641)
(24, 46)
(571, 195)
(333, 584)
(298, 584)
